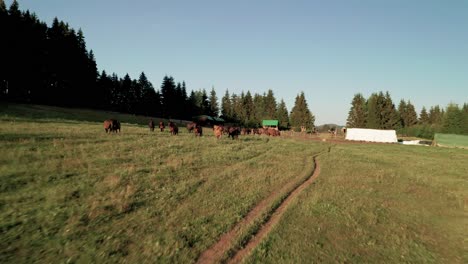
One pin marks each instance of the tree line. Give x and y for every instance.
(249, 110)
(379, 112)
(53, 66)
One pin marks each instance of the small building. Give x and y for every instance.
(270, 123)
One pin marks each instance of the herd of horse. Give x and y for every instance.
(233, 132)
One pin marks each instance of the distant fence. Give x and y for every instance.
(451, 140)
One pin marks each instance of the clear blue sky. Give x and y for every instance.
(416, 50)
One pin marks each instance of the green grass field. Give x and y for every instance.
(451, 140)
(71, 193)
(377, 204)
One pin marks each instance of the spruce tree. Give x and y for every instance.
(148, 101)
(372, 112)
(205, 103)
(357, 113)
(214, 107)
(452, 120)
(226, 107)
(128, 96)
(193, 104)
(402, 111)
(234, 103)
(259, 108)
(411, 116)
(168, 101)
(465, 119)
(300, 114)
(282, 115)
(248, 106)
(435, 115)
(239, 109)
(270, 105)
(389, 118)
(423, 116)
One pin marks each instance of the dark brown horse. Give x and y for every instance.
(234, 132)
(198, 130)
(173, 128)
(151, 125)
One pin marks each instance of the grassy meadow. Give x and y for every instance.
(71, 193)
(377, 204)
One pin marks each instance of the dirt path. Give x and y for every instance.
(215, 253)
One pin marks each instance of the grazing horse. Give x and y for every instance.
(108, 125)
(198, 130)
(273, 132)
(191, 126)
(246, 131)
(115, 126)
(161, 126)
(151, 125)
(218, 131)
(173, 128)
(234, 132)
(111, 125)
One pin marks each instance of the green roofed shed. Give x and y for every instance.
(270, 123)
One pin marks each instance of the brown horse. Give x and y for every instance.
(161, 126)
(218, 131)
(234, 132)
(173, 128)
(198, 131)
(108, 125)
(111, 125)
(191, 126)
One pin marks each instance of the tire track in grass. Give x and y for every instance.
(217, 252)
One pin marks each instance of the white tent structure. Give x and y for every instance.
(371, 135)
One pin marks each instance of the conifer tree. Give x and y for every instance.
(205, 106)
(411, 116)
(193, 104)
(300, 114)
(226, 107)
(270, 105)
(423, 116)
(435, 115)
(452, 120)
(373, 112)
(357, 113)
(247, 104)
(168, 101)
(402, 111)
(234, 103)
(214, 107)
(389, 118)
(282, 115)
(239, 109)
(259, 108)
(464, 114)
